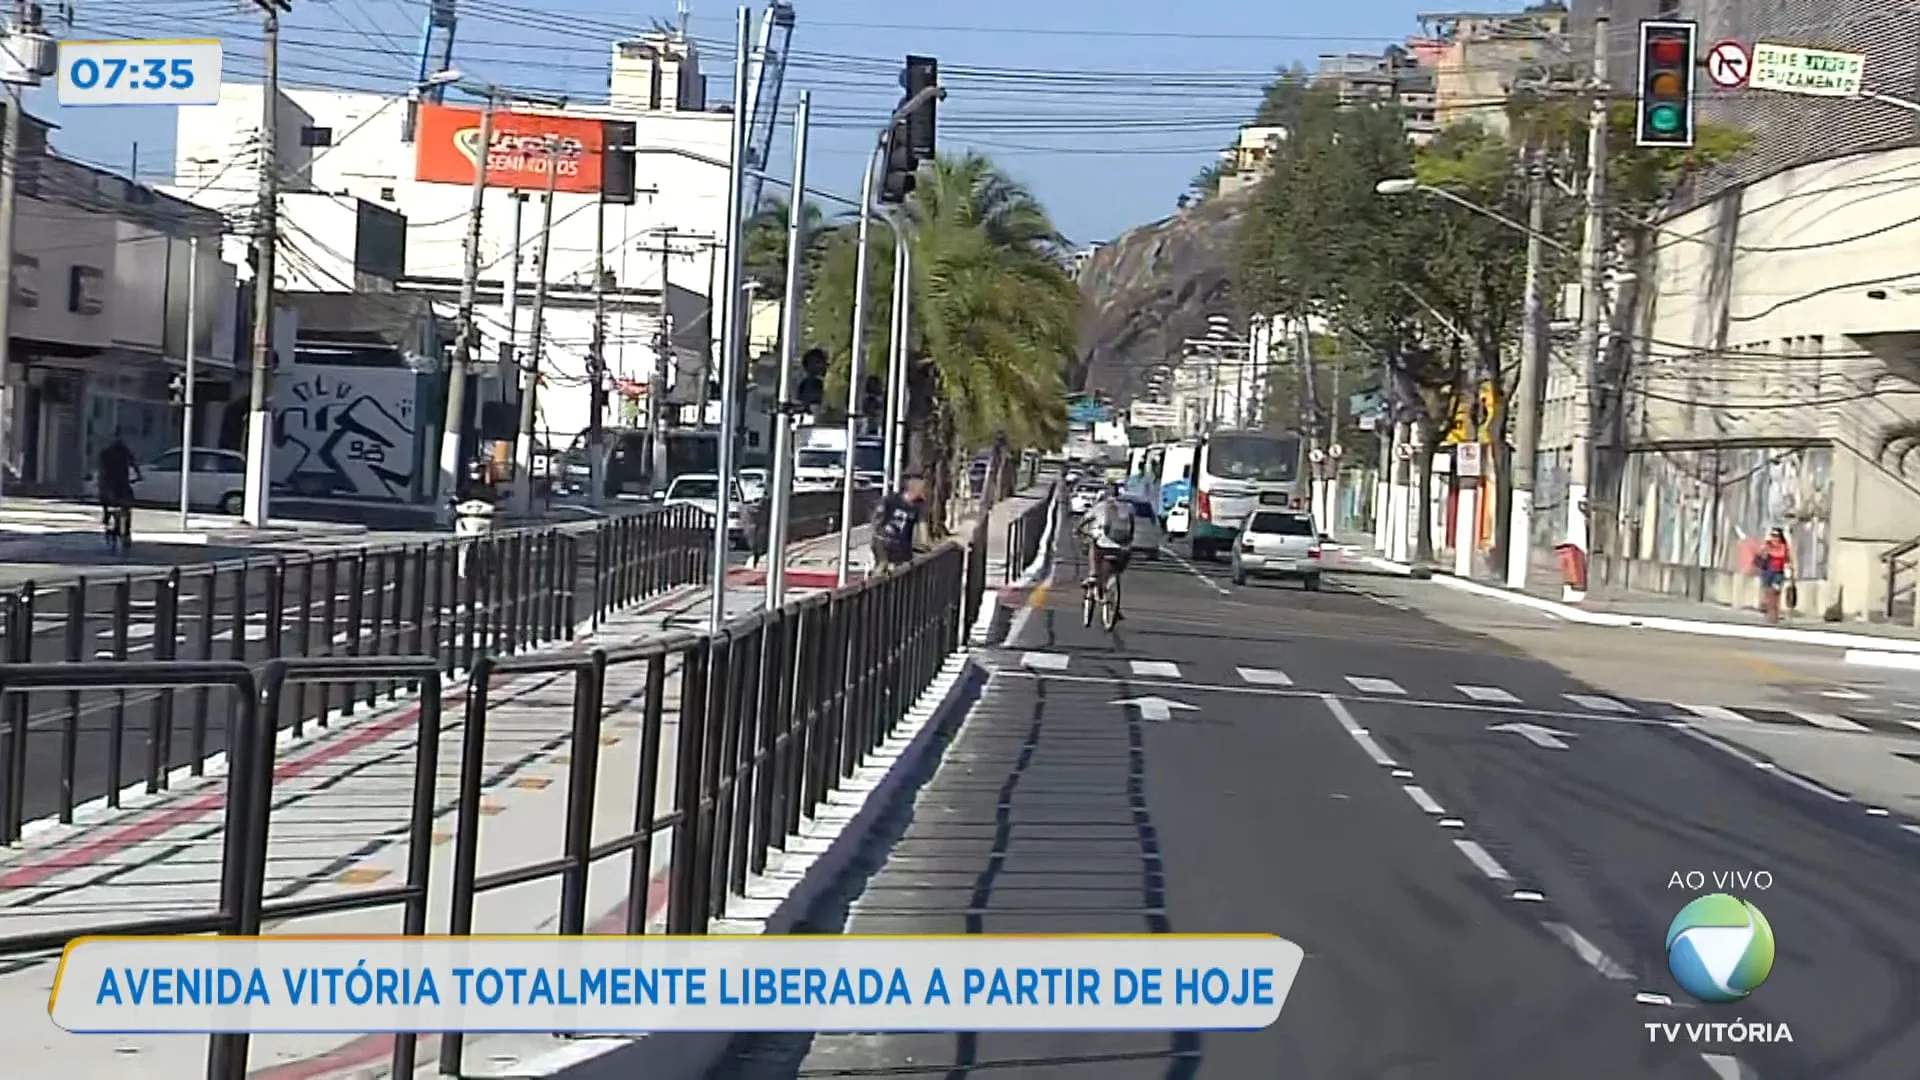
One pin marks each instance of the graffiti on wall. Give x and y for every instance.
(1713, 507)
(345, 431)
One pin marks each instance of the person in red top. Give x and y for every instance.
(1774, 562)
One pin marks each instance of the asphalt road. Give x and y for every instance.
(94, 720)
(1472, 904)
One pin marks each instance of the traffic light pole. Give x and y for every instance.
(731, 351)
(857, 347)
(1587, 355)
(779, 523)
(894, 437)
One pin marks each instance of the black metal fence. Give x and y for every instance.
(453, 599)
(771, 715)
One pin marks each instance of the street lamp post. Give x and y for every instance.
(781, 482)
(858, 337)
(731, 351)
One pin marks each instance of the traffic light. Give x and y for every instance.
(896, 178)
(1667, 56)
(921, 73)
(873, 397)
(813, 379)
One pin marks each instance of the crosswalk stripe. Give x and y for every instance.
(1264, 676)
(1156, 669)
(1914, 724)
(1716, 712)
(1375, 686)
(1488, 693)
(1830, 721)
(1598, 703)
(1045, 661)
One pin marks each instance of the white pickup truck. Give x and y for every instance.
(702, 490)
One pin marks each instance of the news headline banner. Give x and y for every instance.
(616, 985)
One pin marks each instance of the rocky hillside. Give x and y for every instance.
(1152, 287)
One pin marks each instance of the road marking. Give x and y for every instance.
(1728, 1067)
(1829, 721)
(1914, 724)
(1598, 703)
(1422, 800)
(1914, 829)
(1375, 686)
(1452, 823)
(1844, 695)
(1156, 710)
(1482, 861)
(1219, 589)
(1652, 999)
(1264, 676)
(1045, 661)
(1359, 734)
(1715, 712)
(1488, 693)
(1156, 669)
(1544, 737)
(1588, 952)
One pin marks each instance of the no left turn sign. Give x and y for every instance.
(1729, 64)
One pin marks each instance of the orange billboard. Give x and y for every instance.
(447, 146)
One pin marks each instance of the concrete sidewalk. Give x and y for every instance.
(341, 798)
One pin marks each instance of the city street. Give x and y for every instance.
(1473, 847)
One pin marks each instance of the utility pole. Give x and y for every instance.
(189, 374)
(450, 433)
(665, 370)
(597, 361)
(20, 32)
(1592, 256)
(266, 240)
(536, 344)
(510, 289)
(782, 478)
(1531, 385)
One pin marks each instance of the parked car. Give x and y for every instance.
(216, 480)
(753, 483)
(1279, 544)
(1146, 530)
(702, 490)
(1179, 519)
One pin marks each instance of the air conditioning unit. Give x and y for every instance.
(29, 57)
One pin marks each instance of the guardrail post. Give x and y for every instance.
(117, 720)
(745, 718)
(684, 892)
(302, 636)
(356, 610)
(583, 778)
(203, 694)
(75, 649)
(13, 759)
(652, 725)
(466, 830)
(166, 647)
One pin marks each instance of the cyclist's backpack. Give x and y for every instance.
(1120, 529)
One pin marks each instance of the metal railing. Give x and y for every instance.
(1026, 532)
(770, 717)
(453, 599)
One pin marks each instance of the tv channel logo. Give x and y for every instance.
(1720, 948)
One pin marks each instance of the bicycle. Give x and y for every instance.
(117, 523)
(1102, 593)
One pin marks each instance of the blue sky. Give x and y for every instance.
(1105, 108)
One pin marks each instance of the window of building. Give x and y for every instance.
(387, 195)
(316, 136)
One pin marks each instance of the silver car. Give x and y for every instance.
(1278, 544)
(1147, 538)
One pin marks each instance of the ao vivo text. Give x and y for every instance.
(1721, 880)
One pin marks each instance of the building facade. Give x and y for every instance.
(1477, 59)
(1776, 383)
(351, 154)
(100, 318)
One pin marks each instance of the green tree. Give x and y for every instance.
(1206, 182)
(994, 315)
(765, 253)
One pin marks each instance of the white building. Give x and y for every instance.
(661, 252)
(1778, 385)
(99, 319)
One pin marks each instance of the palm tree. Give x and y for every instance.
(765, 252)
(994, 315)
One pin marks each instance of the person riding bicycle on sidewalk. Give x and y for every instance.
(895, 522)
(116, 471)
(1107, 526)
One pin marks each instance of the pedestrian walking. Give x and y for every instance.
(896, 522)
(1774, 564)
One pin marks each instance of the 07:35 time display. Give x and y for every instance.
(159, 73)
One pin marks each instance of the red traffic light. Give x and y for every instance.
(1668, 52)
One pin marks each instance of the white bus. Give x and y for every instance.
(1235, 471)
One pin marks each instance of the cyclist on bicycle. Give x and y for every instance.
(1107, 530)
(117, 470)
